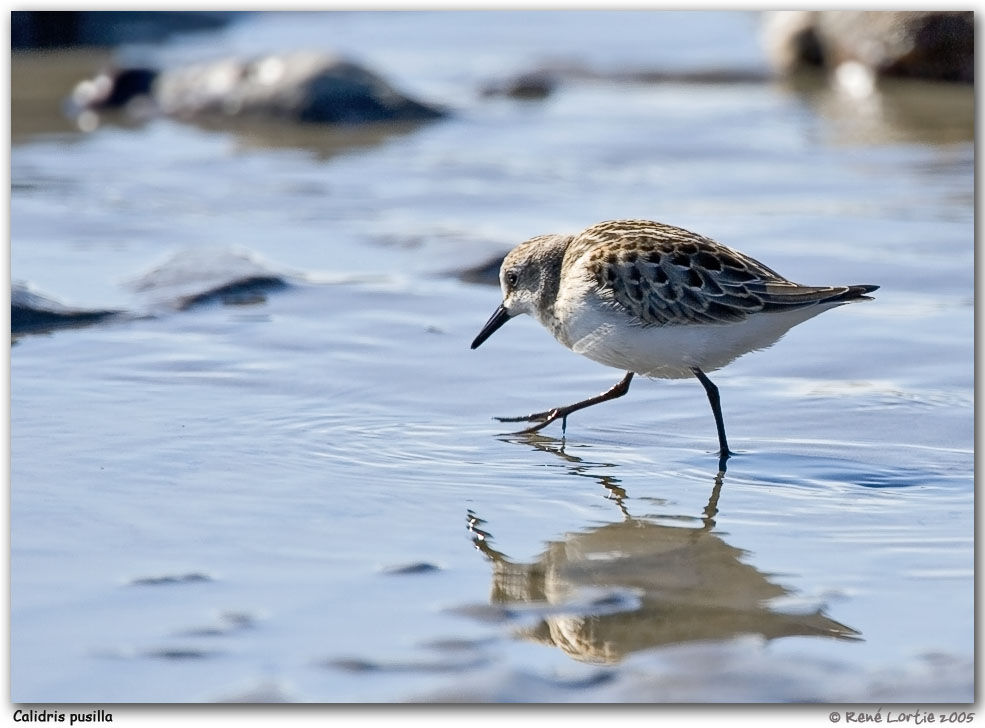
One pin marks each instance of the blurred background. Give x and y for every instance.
(253, 457)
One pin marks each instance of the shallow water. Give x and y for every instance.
(301, 495)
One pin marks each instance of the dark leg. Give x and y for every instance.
(546, 418)
(716, 407)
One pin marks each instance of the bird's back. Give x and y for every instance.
(663, 275)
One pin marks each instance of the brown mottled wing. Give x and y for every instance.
(665, 276)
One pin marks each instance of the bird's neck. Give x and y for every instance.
(550, 286)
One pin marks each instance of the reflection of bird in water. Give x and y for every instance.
(627, 586)
(578, 467)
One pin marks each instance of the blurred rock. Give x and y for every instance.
(113, 88)
(541, 82)
(301, 86)
(248, 291)
(199, 277)
(933, 45)
(486, 272)
(34, 313)
(32, 29)
(188, 279)
(534, 85)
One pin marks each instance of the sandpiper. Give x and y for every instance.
(654, 300)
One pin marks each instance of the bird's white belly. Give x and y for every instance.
(669, 352)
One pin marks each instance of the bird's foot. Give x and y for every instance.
(542, 418)
(536, 417)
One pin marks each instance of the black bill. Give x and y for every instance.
(499, 317)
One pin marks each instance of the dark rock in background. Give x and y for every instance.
(932, 45)
(189, 279)
(247, 291)
(541, 82)
(301, 86)
(31, 29)
(32, 312)
(928, 45)
(486, 273)
(534, 85)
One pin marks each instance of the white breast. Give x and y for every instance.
(609, 336)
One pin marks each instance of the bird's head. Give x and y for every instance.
(529, 279)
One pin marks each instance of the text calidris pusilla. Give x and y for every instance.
(655, 300)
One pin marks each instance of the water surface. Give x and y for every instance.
(299, 494)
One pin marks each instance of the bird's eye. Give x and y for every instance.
(511, 279)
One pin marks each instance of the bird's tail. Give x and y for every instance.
(789, 296)
(855, 293)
